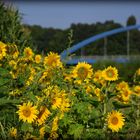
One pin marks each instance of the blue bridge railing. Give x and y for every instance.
(67, 52)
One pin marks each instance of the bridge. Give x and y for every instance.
(66, 58)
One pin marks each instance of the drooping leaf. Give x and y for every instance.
(120, 105)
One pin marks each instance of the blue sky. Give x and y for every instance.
(61, 14)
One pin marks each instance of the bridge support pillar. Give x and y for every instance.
(105, 47)
(128, 44)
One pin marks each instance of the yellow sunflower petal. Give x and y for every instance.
(115, 121)
(110, 74)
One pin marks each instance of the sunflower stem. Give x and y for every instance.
(104, 111)
(3, 132)
(105, 101)
(138, 114)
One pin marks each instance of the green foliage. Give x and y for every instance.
(26, 127)
(131, 20)
(126, 70)
(50, 39)
(76, 130)
(120, 105)
(11, 28)
(74, 110)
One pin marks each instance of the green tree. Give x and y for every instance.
(131, 20)
(11, 28)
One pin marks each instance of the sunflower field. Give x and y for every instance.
(42, 98)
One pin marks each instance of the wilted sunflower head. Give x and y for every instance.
(43, 115)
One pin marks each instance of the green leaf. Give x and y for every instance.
(110, 95)
(120, 105)
(76, 130)
(94, 102)
(4, 102)
(31, 96)
(95, 113)
(81, 107)
(67, 120)
(4, 81)
(27, 127)
(2, 131)
(3, 72)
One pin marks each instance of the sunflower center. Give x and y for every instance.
(122, 86)
(114, 120)
(28, 53)
(82, 73)
(52, 61)
(110, 73)
(125, 93)
(37, 59)
(26, 112)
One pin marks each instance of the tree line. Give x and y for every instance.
(50, 39)
(44, 40)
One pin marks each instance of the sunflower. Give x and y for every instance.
(16, 54)
(122, 85)
(110, 74)
(115, 121)
(89, 88)
(28, 53)
(13, 64)
(137, 90)
(42, 132)
(82, 71)
(55, 124)
(43, 115)
(56, 102)
(2, 50)
(53, 134)
(138, 72)
(125, 95)
(97, 76)
(38, 59)
(65, 106)
(97, 92)
(27, 112)
(13, 132)
(53, 60)
(31, 76)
